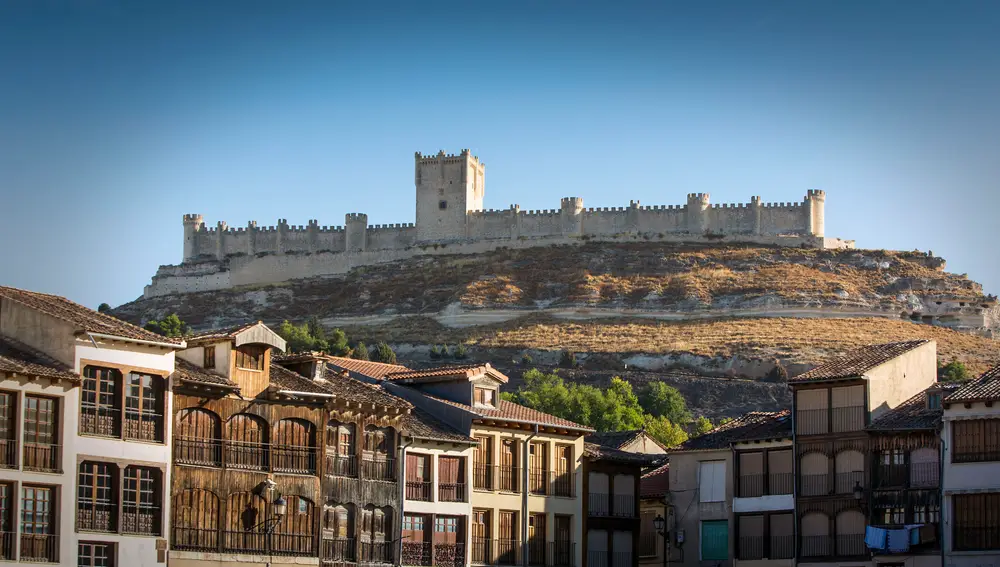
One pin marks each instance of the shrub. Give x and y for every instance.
(435, 352)
(361, 351)
(460, 352)
(526, 359)
(384, 353)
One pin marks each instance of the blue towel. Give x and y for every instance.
(914, 533)
(898, 541)
(875, 538)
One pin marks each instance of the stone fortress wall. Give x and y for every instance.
(451, 220)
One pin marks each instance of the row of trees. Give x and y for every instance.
(311, 336)
(658, 408)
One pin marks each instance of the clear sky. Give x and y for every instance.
(116, 118)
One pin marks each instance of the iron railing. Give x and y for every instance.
(341, 465)
(245, 455)
(782, 547)
(101, 421)
(143, 426)
(7, 546)
(887, 476)
(141, 519)
(196, 451)
(851, 545)
(812, 422)
(261, 542)
(847, 418)
(561, 554)
(378, 468)
(750, 548)
(621, 559)
(816, 546)
(96, 516)
(623, 506)
(845, 545)
(482, 551)
(925, 475)
(8, 453)
(597, 558)
(814, 484)
(482, 476)
(451, 492)
(194, 539)
(562, 484)
(294, 459)
(43, 457)
(39, 548)
(780, 483)
(416, 553)
(508, 478)
(598, 504)
(377, 553)
(419, 490)
(846, 481)
(536, 551)
(449, 554)
(538, 481)
(754, 485)
(339, 549)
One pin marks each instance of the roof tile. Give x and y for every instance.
(858, 361)
(655, 483)
(192, 373)
(17, 357)
(986, 388)
(913, 413)
(750, 427)
(601, 453)
(435, 374)
(377, 370)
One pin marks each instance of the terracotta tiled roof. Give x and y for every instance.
(613, 439)
(436, 374)
(655, 483)
(220, 334)
(986, 388)
(285, 379)
(347, 388)
(377, 370)
(913, 413)
(19, 358)
(597, 452)
(752, 426)
(86, 320)
(858, 361)
(513, 412)
(423, 425)
(192, 373)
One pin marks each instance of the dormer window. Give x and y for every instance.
(484, 397)
(250, 357)
(209, 357)
(933, 400)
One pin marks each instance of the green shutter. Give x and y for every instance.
(715, 540)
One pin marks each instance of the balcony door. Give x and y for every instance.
(41, 427)
(451, 479)
(483, 463)
(509, 481)
(536, 539)
(538, 460)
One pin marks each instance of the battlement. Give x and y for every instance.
(441, 155)
(194, 218)
(815, 194)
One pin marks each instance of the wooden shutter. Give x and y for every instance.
(484, 451)
(508, 525)
(564, 456)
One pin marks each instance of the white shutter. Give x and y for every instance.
(712, 484)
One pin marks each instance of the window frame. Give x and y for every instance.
(95, 478)
(112, 556)
(208, 358)
(975, 440)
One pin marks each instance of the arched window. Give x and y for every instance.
(340, 449)
(294, 447)
(815, 534)
(195, 520)
(850, 467)
(850, 533)
(294, 534)
(245, 520)
(815, 474)
(338, 532)
(198, 438)
(246, 442)
(97, 497)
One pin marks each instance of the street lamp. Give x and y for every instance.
(660, 524)
(859, 492)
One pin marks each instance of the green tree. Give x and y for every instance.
(384, 353)
(315, 328)
(701, 426)
(103, 308)
(169, 326)
(954, 371)
(337, 343)
(661, 399)
(435, 352)
(663, 430)
(621, 410)
(460, 352)
(360, 351)
(299, 338)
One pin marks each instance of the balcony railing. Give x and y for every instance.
(43, 457)
(508, 479)
(846, 545)
(377, 552)
(623, 506)
(100, 420)
(812, 422)
(851, 545)
(294, 459)
(341, 465)
(750, 548)
(890, 476)
(538, 481)
(562, 484)
(246, 456)
(780, 483)
(536, 551)
(848, 418)
(753, 485)
(195, 539)
(141, 520)
(925, 475)
(259, 542)
(195, 451)
(96, 516)
(339, 549)
(8, 453)
(482, 476)
(482, 551)
(816, 546)
(814, 484)
(449, 554)
(598, 504)
(782, 547)
(561, 554)
(293, 544)
(378, 468)
(758, 547)
(416, 553)
(647, 543)
(40, 548)
(621, 559)
(451, 491)
(597, 558)
(495, 551)
(7, 546)
(510, 552)
(846, 481)
(418, 490)
(143, 426)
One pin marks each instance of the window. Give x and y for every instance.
(927, 514)
(95, 554)
(934, 400)
(482, 464)
(195, 520)
(451, 479)
(250, 357)
(712, 481)
(442, 205)
(340, 520)
(893, 457)
(144, 407)
(484, 396)
(418, 477)
(198, 438)
(977, 521)
(538, 460)
(715, 540)
(141, 501)
(41, 451)
(96, 497)
(101, 396)
(976, 440)
(209, 357)
(7, 506)
(38, 525)
(8, 443)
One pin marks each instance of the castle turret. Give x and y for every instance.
(448, 186)
(192, 224)
(814, 209)
(571, 215)
(697, 212)
(356, 231)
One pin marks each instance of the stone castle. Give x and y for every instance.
(450, 219)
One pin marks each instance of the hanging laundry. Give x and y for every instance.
(875, 538)
(898, 541)
(914, 530)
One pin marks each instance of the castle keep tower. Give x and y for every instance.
(448, 187)
(192, 224)
(815, 215)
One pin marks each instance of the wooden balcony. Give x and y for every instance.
(43, 457)
(338, 550)
(8, 453)
(293, 459)
(39, 548)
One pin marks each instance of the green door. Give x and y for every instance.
(715, 540)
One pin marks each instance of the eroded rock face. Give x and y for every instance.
(651, 280)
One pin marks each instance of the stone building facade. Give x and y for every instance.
(450, 218)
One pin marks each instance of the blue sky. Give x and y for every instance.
(116, 118)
